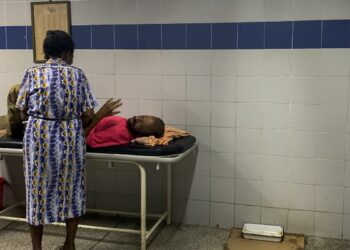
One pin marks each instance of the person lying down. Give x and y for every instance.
(143, 129)
(105, 130)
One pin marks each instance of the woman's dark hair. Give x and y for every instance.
(56, 43)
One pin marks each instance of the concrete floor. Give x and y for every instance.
(14, 235)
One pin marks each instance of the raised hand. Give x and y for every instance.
(109, 108)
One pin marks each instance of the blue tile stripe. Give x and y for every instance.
(314, 34)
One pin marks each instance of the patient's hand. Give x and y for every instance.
(3, 133)
(109, 108)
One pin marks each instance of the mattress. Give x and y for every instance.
(177, 146)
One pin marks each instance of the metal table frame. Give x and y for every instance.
(124, 158)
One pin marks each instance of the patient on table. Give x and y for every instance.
(107, 129)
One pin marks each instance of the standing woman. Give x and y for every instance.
(58, 101)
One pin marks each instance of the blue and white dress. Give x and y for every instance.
(54, 95)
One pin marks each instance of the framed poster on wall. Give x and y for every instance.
(48, 16)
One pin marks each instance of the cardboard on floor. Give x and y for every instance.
(289, 242)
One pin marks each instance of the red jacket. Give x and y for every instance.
(110, 131)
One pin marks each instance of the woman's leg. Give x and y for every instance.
(36, 233)
(71, 228)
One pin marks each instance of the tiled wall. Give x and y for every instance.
(272, 124)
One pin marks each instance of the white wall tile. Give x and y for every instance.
(330, 172)
(222, 190)
(197, 212)
(274, 216)
(224, 62)
(19, 62)
(248, 166)
(304, 117)
(278, 62)
(224, 11)
(2, 14)
(301, 196)
(4, 60)
(223, 88)
(250, 89)
(3, 105)
(223, 114)
(276, 89)
(105, 181)
(198, 113)
(174, 87)
(248, 192)
(150, 107)
(346, 227)
(198, 62)
(128, 183)
(335, 9)
(275, 142)
(308, 10)
(274, 168)
(127, 86)
(203, 164)
(129, 108)
(328, 225)
(104, 86)
(150, 87)
(347, 174)
(223, 140)
(203, 136)
(149, 11)
(276, 116)
(222, 165)
(331, 146)
(199, 188)
(174, 11)
(150, 62)
(106, 200)
(301, 222)
(347, 200)
(302, 170)
(246, 214)
(199, 11)
(306, 62)
(329, 199)
(127, 62)
(303, 144)
(174, 112)
(82, 60)
(277, 10)
(332, 118)
(273, 194)
(249, 141)
(17, 13)
(222, 215)
(333, 90)
(249, 115)
(105, 61)
(174, 62)
(250, 10)
(335, 62)
(250, 62)
(125, 12)
(198, 88)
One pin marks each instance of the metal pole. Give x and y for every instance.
(168, 193)
(143, 207)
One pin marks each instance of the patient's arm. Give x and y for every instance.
(108, 109)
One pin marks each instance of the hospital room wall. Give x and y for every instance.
(272, 124)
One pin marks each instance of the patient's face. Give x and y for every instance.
(143, 125)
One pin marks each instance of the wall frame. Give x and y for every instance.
(48, 16)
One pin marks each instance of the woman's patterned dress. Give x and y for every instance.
(54, 95)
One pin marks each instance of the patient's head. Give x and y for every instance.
(146, 125)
